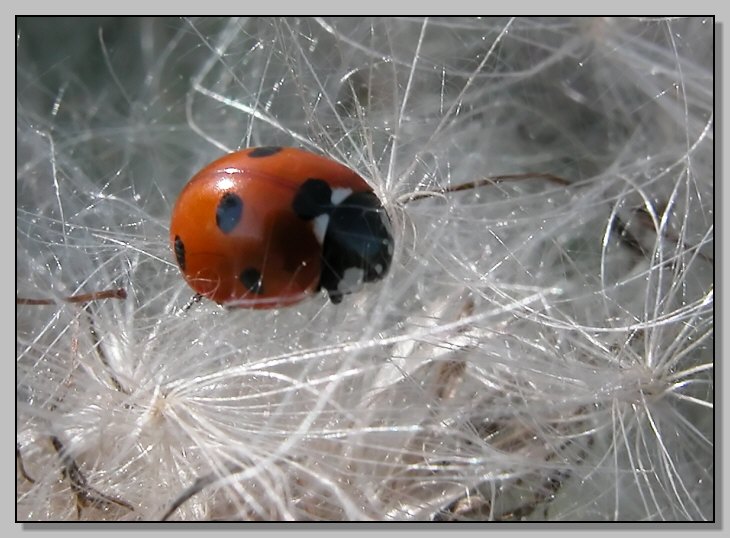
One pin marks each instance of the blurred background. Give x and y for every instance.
(541, 349)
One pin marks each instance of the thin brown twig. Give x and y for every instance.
(492, 180)
(85, 494)
(120, 293)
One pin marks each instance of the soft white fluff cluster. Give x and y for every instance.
(537, 351)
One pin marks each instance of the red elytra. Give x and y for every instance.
(241, 237)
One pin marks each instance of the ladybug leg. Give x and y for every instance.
(195, 299)
(335, 296)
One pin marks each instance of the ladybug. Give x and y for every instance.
(266, 227)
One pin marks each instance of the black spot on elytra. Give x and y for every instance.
(264, 151)
(180, 252)
(313, 198)
(251, 278)
(229, 211)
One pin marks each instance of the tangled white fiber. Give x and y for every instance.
(537, 351)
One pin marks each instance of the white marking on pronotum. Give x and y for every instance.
(339, 194)
(319, 225)
(351, 280)
(378, 269)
